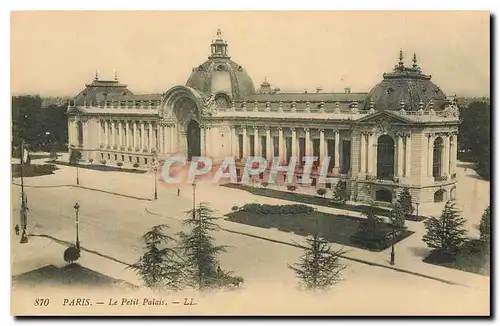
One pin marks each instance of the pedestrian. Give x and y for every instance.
(16, 228)
(178, 191)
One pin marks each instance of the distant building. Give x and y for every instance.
(403, 133)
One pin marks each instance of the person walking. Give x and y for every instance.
(178, 191)
(16, 228)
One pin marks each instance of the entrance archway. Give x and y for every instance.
(385, 157)
(193, 139)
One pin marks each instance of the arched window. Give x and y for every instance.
(439, 196)
(437, 165)
(383, 195)
(385, 157)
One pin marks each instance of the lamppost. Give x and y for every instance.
(194, 200)
(418, 204)
(155, 169)
(77, 178)
(24, 205)
(392, 246)
(77, 208)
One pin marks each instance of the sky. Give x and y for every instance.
(56, 53)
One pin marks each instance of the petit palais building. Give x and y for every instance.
(403, 133)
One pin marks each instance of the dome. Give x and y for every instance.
(219, 74)
(406, 88)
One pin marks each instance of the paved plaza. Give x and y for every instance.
(111, 226)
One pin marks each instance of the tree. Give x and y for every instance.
(75, 156)
(474, 135)
(371, 232)
(447, 232)
(159, 267)
(201, 265)
(340, 194)
(319, 267)
(405, 202)
(397, 217)
(485, 226)
(321, 192)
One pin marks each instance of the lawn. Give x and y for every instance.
(313, 200)
(334, 228)
(473, 258)
(33, 170)
(100, 167)
(69, 275)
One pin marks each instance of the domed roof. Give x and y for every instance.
(219, 74)
(406, 88)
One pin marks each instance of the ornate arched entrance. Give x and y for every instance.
(193, 139)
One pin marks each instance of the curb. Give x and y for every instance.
(87, 188)
(397, 269)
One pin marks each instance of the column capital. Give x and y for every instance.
(306, 129)
(321, 130)
(267, 128)
(292, 129)
(280, 128)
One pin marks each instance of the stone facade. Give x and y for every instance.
(378, 146)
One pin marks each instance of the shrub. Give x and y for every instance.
(291, 188)
(53, 156)
(266, 209)
(136, 165)
(321, 192)
(340, 195)
(91, 160)
(404, 200)
(71, 254)
(75, 156)
(120, 164)
(234, 208)
(264, 184)
(103, 162)
(372, 233)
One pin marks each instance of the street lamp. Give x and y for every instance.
(77, 208)
(155, 169)
(194, 200)
(24, 205)
(393, 254)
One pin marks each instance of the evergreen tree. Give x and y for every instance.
(319, 267)
(159, 267)
(75, 156)
(340, 192)
(447, 232)
(485, 226)
(397, 217)
(404, 201)
(201, 265)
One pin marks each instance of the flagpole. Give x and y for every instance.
(24, 210)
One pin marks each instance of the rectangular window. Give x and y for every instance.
(123, 158)
(263, 146)
(252, 146)
(116, 157)
(240, 146)
(137, 159)
(288, 145)
(145, 161)
(302, 150)
(130, 159)
(102, 156)
(276, 146)
(109, 156)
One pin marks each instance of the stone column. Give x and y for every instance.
(202, 140)
(371, 156)
(400, 156)
(106, 133)
(256, 141)
(99, 136)
(134, 138)
(322, 147)
(454, 149)
(142, 136)
(430, 154)
(113, 134)
(294, 142)
(150, 133)
(245, 141)
(362, 160)
(281, 144)
(337, 150)
(408, 155)
(269, 153)
(446, 161)
(119, 134)
(234, 142)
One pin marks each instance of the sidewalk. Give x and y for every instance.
(409, 252)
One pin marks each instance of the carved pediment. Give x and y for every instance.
(384, 118)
